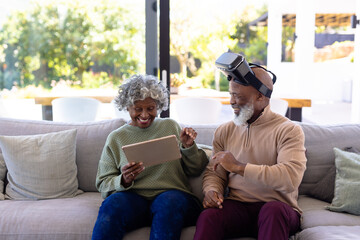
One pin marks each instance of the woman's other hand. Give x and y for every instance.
(213, 199)
(129, 172)
(187, 137)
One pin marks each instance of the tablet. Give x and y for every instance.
(154, 151)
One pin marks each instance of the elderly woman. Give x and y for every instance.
(158, 196)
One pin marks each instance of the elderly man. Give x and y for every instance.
(251, 184)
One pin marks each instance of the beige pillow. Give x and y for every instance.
(2, 176)
(41, 166)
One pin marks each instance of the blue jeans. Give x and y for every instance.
(167, 214)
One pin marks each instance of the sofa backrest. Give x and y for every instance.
(205, 133)
(91, 136)
(319, 143)
(90, 141)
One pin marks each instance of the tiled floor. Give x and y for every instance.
(328, 113)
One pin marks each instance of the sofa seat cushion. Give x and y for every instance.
(330, 233)
(66, 218)
(315, 214)
(186, 234)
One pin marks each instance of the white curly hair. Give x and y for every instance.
(139, 87)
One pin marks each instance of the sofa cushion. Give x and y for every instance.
(90, 141)
(319, 143)
(56, 219)
(347, 183)
(196, 182)
(205, 133)
(2, 176)
(330, 233)
(324, 189)
(315, 214)
(40, 166)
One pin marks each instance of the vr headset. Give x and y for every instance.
(235, 66)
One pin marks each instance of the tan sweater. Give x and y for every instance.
(273, 149)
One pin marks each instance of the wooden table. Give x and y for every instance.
(294, 111)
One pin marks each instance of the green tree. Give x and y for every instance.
(64, 39)
(197, 35)
(252, 40)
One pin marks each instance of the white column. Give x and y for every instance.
(274, 34)
(355, 106)
(304, 44)
(275, 11)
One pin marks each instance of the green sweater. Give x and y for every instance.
(154, 179)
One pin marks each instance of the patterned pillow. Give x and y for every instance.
(347, 183)
(41, 166)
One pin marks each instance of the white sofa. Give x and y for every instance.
(74, 218)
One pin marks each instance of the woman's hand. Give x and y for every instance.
(187, 137)
(130, 172)
(213, 199)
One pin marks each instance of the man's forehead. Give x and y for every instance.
(236, 87)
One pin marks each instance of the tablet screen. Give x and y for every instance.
(154, 151)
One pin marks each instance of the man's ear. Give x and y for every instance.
(260, 96)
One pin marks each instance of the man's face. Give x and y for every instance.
(242, 101)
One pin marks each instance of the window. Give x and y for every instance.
(288, 38)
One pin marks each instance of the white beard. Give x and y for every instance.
(245, 114)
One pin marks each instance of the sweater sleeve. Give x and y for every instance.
(194, 160)
(286, 175)
(108, 178)
(216, 180)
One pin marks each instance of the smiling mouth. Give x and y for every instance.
(236, 110)
(143, 121)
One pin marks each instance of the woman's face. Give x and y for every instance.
(143, 112)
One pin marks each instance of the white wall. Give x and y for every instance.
(304, 78)
(355, 116)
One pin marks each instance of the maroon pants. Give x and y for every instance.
(272, 220)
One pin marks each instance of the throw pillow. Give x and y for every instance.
(324, 189)
(41, 166)
(347, 183)
(2, 176)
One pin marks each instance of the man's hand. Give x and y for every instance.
(228, 162)
(187, 137)
(213, 199)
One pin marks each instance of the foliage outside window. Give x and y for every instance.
(94, 44)
(86, 43)
(288, 38)
(334, 37)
